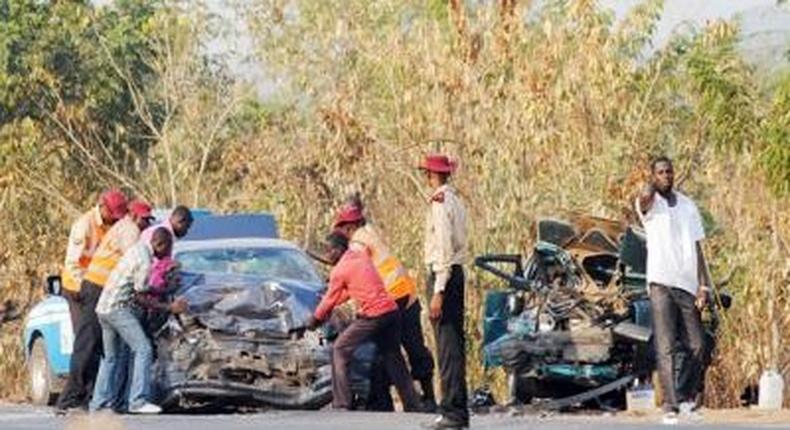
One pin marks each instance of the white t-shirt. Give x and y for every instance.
(672, 234)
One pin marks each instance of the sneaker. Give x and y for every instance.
(690, 411)
(146, 409)
(444, 423)
(429, 406)
(686, 408)
(670, 419)
(71, 411)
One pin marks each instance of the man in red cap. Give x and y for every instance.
(117, 241)
(85, 235)
(355, 277)
(352, 224)
(113, 237)
(445, 254)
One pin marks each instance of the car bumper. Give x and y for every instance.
(189, 393)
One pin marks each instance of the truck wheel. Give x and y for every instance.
(40, 374)
(521, 390)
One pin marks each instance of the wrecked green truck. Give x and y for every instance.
(571, 323)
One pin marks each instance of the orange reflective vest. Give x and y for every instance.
(396, 278)
(115, 243)
(85, 235)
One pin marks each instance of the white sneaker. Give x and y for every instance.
(146, 409)
(670, 419)
(687, 408)
(690, 412)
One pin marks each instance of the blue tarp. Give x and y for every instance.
(233, 227)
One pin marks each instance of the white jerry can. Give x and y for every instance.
(640, 397)
(771, 390)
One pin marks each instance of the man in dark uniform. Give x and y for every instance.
(445, 254)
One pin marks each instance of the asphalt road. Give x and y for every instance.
(22, 417)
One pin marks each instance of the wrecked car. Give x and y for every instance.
(571, 323)
(242, 343)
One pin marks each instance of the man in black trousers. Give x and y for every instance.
(445, 254)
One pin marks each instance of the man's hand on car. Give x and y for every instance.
(312, 323)
(179, 306)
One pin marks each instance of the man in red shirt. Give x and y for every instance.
(378, 319)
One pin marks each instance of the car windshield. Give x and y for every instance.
(282, 263)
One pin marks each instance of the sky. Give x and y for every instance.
(766, 28)
(679, 13)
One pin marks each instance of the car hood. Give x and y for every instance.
(250, 306)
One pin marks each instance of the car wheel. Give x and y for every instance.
(521, 389)
(40, 374)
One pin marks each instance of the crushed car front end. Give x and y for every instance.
(243, 344)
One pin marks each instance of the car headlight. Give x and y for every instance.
(272, 286)
(546, 323)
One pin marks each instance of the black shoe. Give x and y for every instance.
(444, 423)
(428, 406)
(428, 397)
(70, 411)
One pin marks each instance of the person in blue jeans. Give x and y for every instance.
(120, 324)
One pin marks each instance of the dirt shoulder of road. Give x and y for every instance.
(720, 416)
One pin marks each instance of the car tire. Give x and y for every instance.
(41, 380)
(521, 389)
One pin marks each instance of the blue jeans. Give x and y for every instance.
(118, 327)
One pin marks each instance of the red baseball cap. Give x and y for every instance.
(348, 213)
(438, 163)
(115, 202)
(140, 208)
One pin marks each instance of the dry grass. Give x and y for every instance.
(12, 363)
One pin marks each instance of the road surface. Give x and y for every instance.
(23, 417)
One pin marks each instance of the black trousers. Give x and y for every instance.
(413, 341)
(451, 346)
(73, 299)
(385, 332)
(87, 349)
(673, 310)
(419, 357)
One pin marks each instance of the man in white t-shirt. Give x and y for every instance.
(678, 284)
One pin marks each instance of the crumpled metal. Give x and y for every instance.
(249, 305)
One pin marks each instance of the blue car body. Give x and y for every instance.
(50, 321)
